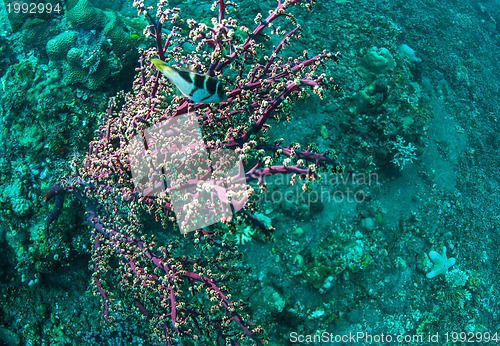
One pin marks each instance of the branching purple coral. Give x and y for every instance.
(182, 297)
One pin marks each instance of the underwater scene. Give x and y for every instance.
(239, 172)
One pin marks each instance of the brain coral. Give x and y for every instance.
(75, 56)
(58, 46)
(81, 14)
(74, 74)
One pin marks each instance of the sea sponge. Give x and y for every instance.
(81, 14)
(58, 46)
(375, 62)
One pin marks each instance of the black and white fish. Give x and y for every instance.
(199, 88)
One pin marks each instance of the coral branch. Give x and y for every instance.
(187, 298)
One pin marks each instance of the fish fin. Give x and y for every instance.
(178, 92)
(189, 70)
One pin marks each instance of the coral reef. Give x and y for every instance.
(334, 264)
(96, 49)
(190, 297)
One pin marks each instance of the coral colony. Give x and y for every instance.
(185, 294)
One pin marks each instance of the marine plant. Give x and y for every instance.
(182, 285)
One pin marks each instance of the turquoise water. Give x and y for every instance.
(388, 238)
